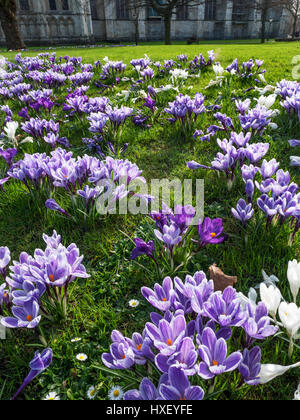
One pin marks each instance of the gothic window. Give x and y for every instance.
(94, 9)
(210, 9)
(240, 12)
(122, 9)
(65, 4)
(152, 13)
(182, 11)
(52, 4)
(24, 4)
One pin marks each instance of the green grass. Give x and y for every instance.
(100, 304)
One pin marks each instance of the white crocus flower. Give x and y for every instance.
(297, 394)
(289, 314)
(2, 62)
(293, 275)
(10, 131)
(270, 372)
(267, 101)
(218, 69)
(178, 74)
(295, 160)
(271, 297)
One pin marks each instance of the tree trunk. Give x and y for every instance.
(263, 27)
(167, 22)
(9, 24)
(137, 30)
(294, 27)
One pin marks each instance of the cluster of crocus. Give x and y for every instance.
(90, 180)
(288, 312)
(173, 233)
(199, 62)
(34, 281)
(186, 110)
(191, 339)
(112, 68)
(248, 70)
(290, 92)
(114, 115)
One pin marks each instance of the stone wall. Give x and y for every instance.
(88, 21)
(41, 26)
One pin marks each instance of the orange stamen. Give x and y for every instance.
(213, 234)
(169, 342)
(215, 363)
(138, 346)
(51, 277)
(29, 318)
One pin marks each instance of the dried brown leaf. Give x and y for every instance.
(221, 280)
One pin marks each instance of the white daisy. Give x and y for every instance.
(81, 357)
(52, 396)
(76, 340)
(116, 393)
(133, 303)
(91, 393)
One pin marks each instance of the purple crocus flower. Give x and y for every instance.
(243, 212)
(249, 172)
(25, 316)
(141, 346)
(210, 231)
(185, 358)
(249, 190)
(150, 103)
(268, 205)
(8, 155)
(147, 392)
(294, 143)
(4, 260)
(225, 308)
(143, 248)
(5, 296)
(121, 356)
(257, 324)
(167, 336)
(51, 204)
(38, 365)
(251, 365)
(162, 297)
(255, 152)
(268, 169)
(179, 387)
(170, 235)
(213, 353)
(183, 217)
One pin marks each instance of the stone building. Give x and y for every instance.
(45, 22)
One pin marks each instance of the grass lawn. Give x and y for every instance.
(99, 304)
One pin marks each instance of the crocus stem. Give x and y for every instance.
(27, 381)
(211, 387)
(291, 347)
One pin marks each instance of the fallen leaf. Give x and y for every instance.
(221, 280)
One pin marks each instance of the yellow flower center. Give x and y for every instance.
(213, 234)
(116, 393)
